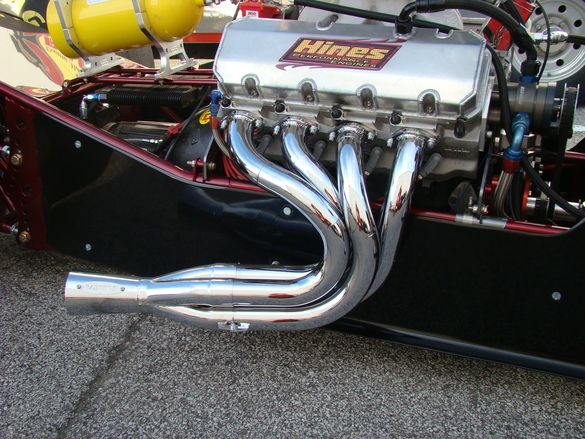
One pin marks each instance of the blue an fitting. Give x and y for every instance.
(528, 79)
(214, 105)
(84, 106)
(520, 126)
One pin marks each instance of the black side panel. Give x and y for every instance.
(472, 291)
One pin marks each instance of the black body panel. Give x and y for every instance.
(467, 290)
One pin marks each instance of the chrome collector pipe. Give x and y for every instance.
(239, 297)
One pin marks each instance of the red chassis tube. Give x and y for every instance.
(490, 222)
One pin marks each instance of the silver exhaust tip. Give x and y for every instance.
(98, 294)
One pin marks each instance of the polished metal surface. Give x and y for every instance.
(452, 66)
(281, 298)
(242, 272)
(532, 209)
(409, 154)
(501, 193)
(302, 161)
(356, 207)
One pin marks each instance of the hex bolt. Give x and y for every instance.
(88, 247)
(460, 129)
(308, 92)
(279, 107)
(336, 112)
(287, 211)
(17, 159)
(371, 135)
(367, 98)
(429, 103)
(556, 296)
(313, 129)
(251, 87)
(24, 237)
(396, 118)
(276, 130)
(78, 144)
(258, 123)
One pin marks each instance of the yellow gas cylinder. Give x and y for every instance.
(105, 26)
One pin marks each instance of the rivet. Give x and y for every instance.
(17, 159)
(24, 237)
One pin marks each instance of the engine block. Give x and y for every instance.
(431, 81)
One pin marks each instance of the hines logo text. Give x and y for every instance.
(340, 53)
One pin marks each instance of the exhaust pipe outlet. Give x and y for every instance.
(94, 294)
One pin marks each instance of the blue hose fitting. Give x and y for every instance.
(214, 104)
(520, 126)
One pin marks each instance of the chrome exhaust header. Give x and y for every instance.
(405, 171)
(239, 298)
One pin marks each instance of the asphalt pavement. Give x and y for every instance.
(127, 376)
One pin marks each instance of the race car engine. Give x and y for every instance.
(434, 83)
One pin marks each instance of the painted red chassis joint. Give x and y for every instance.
(21, 182)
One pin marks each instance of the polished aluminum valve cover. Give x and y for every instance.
(357, 66)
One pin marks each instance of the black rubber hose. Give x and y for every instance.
(505, 112)
(408, 11)
(518, 32)
(370, 15)
(576, 39)
(545, 188)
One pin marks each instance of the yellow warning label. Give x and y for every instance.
(205, 118)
